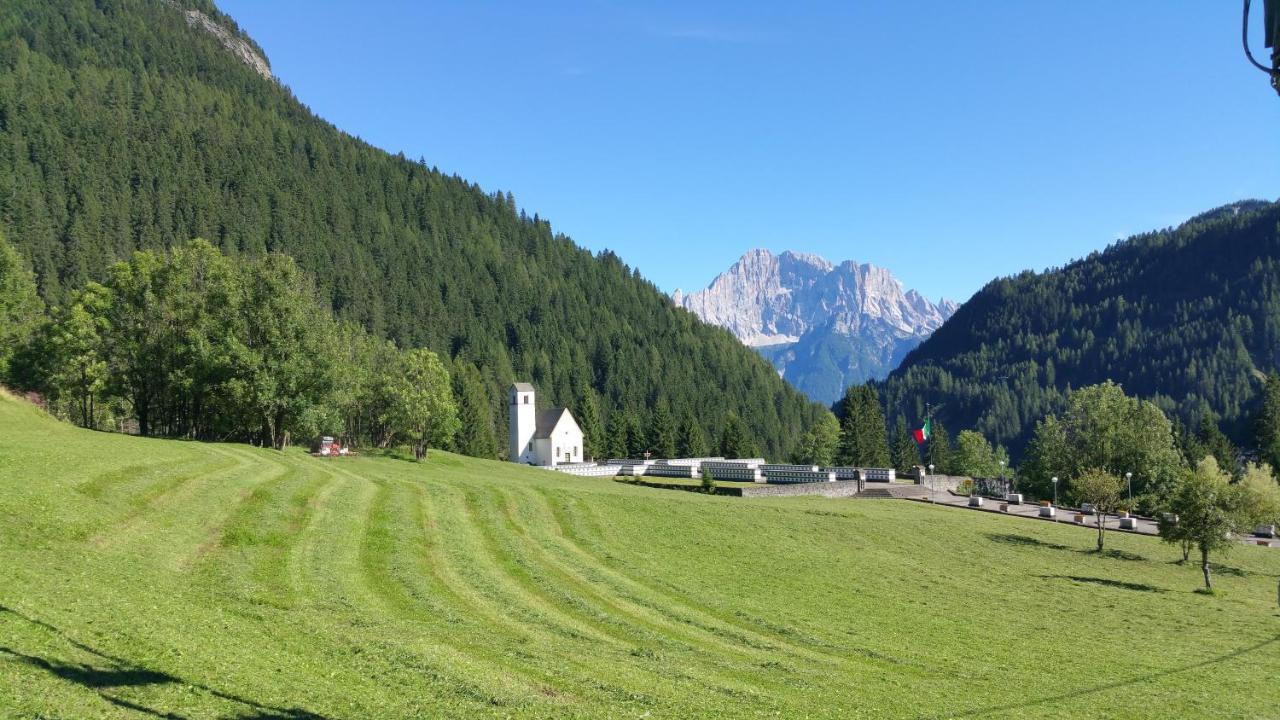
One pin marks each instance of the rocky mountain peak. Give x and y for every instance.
(233, 43)
(790, 304)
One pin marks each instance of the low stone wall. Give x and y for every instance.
(839, 488)
(942, 483)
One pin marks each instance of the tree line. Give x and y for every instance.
(192, 343)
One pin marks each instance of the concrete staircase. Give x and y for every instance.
(892, 491)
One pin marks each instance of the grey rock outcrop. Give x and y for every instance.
(823, 326)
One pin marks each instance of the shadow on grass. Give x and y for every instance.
(1105, 687)
(1028, 541)
(1025, 541)
(1105, 582)
(1115, 554)
(114, 672)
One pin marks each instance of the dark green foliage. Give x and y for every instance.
(708, 481)
(735, 442)
(1102, 429)
(1267, 423)
(617, 443)
(121, 128)
(476, 434)
(692, 441)
(938, 449)
(20, 307)
(1211, 440)
(1184, 317)
(637, 440)
(863, 438)
(906, 454)
(662, 433)
(820, 444)
(587, 413)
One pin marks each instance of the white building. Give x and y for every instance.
(547, 438)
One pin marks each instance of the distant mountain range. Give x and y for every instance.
(823, 326)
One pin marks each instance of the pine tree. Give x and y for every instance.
(1213, 442)
(592, 427)
(1267, 423)
(637, 440)
(662, 433)
(476, 435)
(617, 439)
(692, 440)
(735, 442)
(939, 452)
(20, 307)
(906, 454)
(863, 439)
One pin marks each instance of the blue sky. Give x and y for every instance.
(950, 142)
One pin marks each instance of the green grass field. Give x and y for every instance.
(147, 578)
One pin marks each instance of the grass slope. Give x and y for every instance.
(169, 579)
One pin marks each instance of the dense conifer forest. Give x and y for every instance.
(123, 129)
(1188, 318)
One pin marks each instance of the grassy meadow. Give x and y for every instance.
(149, 578)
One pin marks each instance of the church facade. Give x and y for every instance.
(546, 438)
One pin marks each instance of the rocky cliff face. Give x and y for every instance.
(823, 326)
(234, 44)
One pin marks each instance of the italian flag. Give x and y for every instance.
(925, 432)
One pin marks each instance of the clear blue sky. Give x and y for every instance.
(948, 141)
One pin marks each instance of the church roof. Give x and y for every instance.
(547, 421)
(522, 387)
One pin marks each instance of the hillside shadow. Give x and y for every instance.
(114, 673)
(1076, 694)
(1106, 582)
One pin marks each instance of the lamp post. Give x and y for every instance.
(1128, 478)
(1007, 489)
(1055, 491)
(932, 490)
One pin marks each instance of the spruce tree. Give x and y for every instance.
(1267, 423)
(476, 435)
(692, 441)
(662, 433)
(863, 440)
(939, 452)
(735, 442)
(1213, 442)
(906, 455)
(20, 307)
(588, 414)
(617, 440)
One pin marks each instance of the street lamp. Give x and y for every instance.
(1002, 482)
(1055, 491)
(1128, 478)
(932, 489)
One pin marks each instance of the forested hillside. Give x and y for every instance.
(124, 128)
(1187, 317)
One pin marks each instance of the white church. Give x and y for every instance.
(548, 438)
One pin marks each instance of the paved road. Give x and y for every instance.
(1030, 511)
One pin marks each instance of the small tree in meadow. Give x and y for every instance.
(1102, 490)
(708, 481)
(1211, 510)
